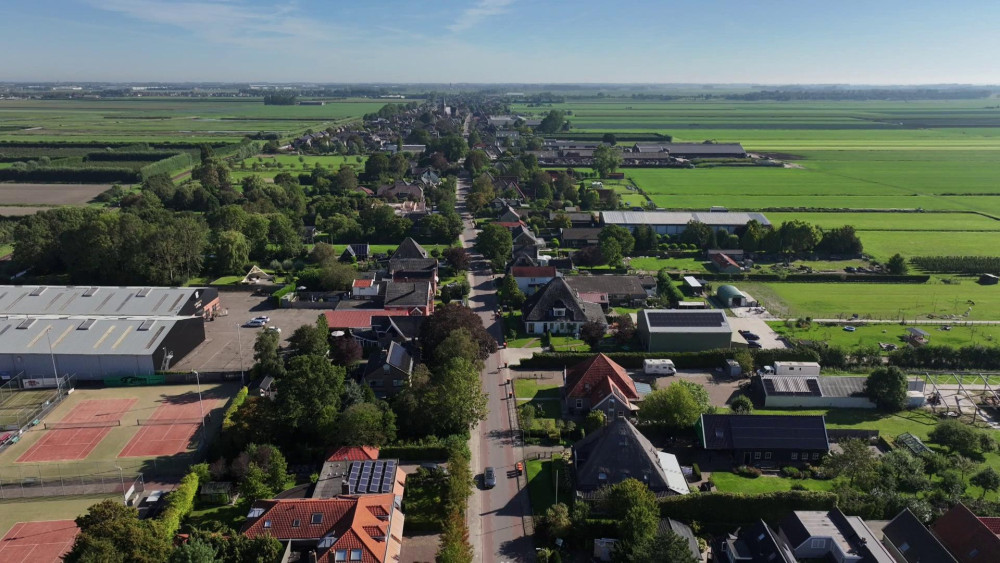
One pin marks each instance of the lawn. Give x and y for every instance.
(535, 389)
(542, 486)
(654, 264)
(872, 335)
(878, 301)
(422, 501)
(232, 515)
(728, 482)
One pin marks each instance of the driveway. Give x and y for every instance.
(721, 390)
(768, 338)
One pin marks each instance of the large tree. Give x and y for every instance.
(675, 406)
(495, 243)
(367, 424)
(447, 318)
(856, 461)
(113, 532)
(606, 160)
(309, 396)
(633, 506)
(887, 388)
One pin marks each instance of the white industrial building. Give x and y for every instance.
(674, 222)
(99, 332)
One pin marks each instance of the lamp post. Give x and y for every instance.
(121, 477)
(52, 356)
(201, 407)
(239, 340)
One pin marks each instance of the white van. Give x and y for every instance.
(658, 367)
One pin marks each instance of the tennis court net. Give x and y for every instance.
(167, 421)
(86, 424)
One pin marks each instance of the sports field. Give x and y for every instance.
(38, 542)
(17, 407)
(158, 425)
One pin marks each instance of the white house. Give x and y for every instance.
(530, 278)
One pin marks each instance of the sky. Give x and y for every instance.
(509, 41)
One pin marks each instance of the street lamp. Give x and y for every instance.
(197, 379)
(55, 372)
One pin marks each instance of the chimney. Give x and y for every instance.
(312, 557)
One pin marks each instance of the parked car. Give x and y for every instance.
(849, 328)
(273, 329)
(749, 335)
(753, 344)
(850, 269)
(255, 323)
(263, 318)
(489, 478)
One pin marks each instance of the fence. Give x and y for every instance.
(838, 435)
(34, 481)
(20, 407)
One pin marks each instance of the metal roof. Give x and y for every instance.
(94, 301)
(676, 320)
(83, 335)
(715, 219)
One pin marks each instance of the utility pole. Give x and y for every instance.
(52, 356)
(197, 378)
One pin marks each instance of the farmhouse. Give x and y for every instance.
(579, 237)
(619, 451)
(390, 372)
(672, 330)
(832, 535)
(357, 252)
(969, 538)
(674, 222)
(600, 384)
(100, 332)
(765, 440)
(755, 544)
(530, 278)
(412, 298)
(401, 190)
(558, 309)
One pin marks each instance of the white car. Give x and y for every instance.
(254, 323)
(265, 319)
(273, 329)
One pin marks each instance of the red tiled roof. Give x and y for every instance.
(353, 521)
(356, 318)
(533, 271)
(363, 283)
(354, 453)
(509, 224)
(595, 372)
(962, 533)
(992, 522)
(724, 260)
(593, 297)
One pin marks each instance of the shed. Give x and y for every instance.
(731, 297)
(216, 492)
(693, 285)
(917, 337)
(989, 279)
(732, 368)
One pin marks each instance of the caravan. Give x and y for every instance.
(659, 367)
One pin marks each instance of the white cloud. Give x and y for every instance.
(224, 21)
(475, 15)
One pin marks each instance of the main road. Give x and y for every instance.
(496, 517)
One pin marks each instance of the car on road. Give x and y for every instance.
(489, 478)
(849, 328)
(255, 323)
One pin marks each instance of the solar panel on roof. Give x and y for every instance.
(684, 319)
(813, 386)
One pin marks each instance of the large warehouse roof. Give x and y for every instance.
(83, 336)
(675, 320)
(712, 219)
(98, 301)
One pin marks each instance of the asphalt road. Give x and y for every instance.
(496, 515)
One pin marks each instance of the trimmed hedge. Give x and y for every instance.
(237, 402)
(71, 175)
(178, 505)
(277, 295)
(817, 278)
(708, 359)
(415, 452)
(736, 509)
(176, 162)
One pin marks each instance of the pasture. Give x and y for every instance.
(934, 299)
(163, 119)
(873, 334)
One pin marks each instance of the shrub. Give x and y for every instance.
(234, 405)
(798, 487)
(791, 472)
(748, 471)
(177, 506)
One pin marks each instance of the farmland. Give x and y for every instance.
(166, 119)
(878, 301)
(48, 194)
(872, 335)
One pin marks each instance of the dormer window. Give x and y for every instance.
(602, 476)
(355, 555)
(316, 518)
(558, 312)
(340, 555)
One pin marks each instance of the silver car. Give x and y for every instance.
(489, 478)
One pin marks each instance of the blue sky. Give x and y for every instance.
(717, 41)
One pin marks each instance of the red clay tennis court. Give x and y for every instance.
(169, 431)
(62, 444)
(38, 542)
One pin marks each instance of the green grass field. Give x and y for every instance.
(872, 335)
(41, 510)
(728, 482)
(542, 486)
(534, 388)
(877, 301)
(19, 407)
(164, 119)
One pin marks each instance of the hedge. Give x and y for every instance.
(415, 452)
(71, 175)
(277, 295)
(817, 278)
(177, 506)
(237, 402)
(708, 359)
(144, 156)
(176, 162)
(736, 509)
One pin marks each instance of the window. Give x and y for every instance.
(579, 403)
(795, 455)
(767, 455)
(340, 555)
(817, 543)
(355, 555)
(558, 312)
(398, 382)
(756, 455)
(375, 382)
(317, 518)
(621, 414)
(973, 553)
(602, 476)
(296, 523)
(267, 524)
(815, 455)
(805, 456)
(903, 547)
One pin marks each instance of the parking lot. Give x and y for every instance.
(226, 335)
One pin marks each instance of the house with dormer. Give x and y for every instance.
(366, 528)
(601, 384)
(558, 309)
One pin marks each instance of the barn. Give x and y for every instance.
(674, 330)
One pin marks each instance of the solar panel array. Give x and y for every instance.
(371, 477)
(686, 319)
